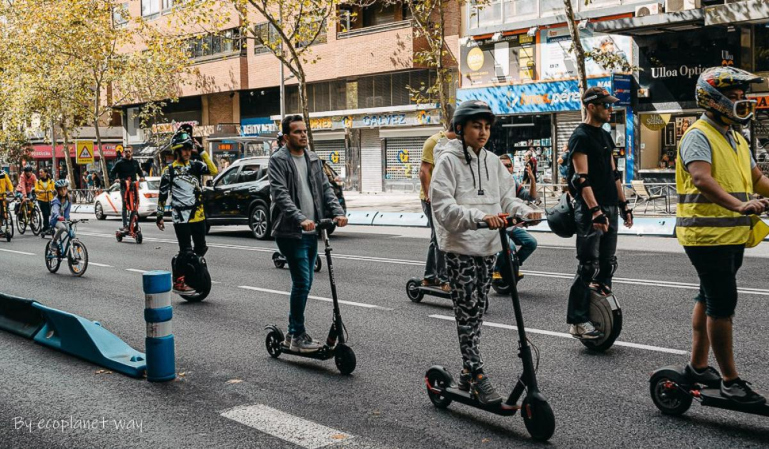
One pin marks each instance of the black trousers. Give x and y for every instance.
(189, 233)
(45, 208)
(596, 252)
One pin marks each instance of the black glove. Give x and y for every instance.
(626, 212)
(601, 219)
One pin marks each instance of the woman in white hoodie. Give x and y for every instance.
(470, 185)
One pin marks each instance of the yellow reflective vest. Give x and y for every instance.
(700, 222)
(44, 190)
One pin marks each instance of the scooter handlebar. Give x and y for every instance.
(512, 222)
(325, 223)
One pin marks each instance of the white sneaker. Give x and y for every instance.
(585, 331)
(303, 343)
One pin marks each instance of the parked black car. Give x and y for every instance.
(241, 195)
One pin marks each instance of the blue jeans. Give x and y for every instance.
(300, 255)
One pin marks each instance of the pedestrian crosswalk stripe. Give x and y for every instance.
(287, 427)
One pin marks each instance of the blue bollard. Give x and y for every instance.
(161, 364)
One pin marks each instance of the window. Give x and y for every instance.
(224, 43)
(229, 177)
(268, 33)
(762, 48)
(517, 9)
(120, 15)
(320, 39)
(150, 8)
(250, 173)
(357, 17)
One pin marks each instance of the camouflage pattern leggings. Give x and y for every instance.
(470, 279)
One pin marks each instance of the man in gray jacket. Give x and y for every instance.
(301, 196)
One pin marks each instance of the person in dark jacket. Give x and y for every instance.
(126, 169)
(301, 196)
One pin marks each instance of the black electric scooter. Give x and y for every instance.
(279, 260)
(535, 410)
(335, 345)
(672, 392)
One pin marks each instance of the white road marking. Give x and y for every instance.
(565, 335)
(618, 280)
(135, 270)
(17, 252)
(290, 428)
(319, 298)
(100, 265)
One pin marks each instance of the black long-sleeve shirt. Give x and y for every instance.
(126, 169)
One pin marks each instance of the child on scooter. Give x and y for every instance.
(470, 185)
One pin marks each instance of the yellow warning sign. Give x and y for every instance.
(84, 152)
(119, 148)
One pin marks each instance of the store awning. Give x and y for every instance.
(653, 24)
(751, 11)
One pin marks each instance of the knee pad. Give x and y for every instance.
(588, 270)
(612, 265)
(201, 251)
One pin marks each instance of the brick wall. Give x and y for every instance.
(219, 109)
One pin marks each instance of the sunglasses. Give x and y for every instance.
(605, 105)
(508, 165)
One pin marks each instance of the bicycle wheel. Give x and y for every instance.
(77, 258)
(37, 221)
(51, 261)
(21, 220)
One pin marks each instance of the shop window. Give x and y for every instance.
(762, 48)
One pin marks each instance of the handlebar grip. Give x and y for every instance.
(325, 223)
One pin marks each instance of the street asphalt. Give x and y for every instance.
(599, 400)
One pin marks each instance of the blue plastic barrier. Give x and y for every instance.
(400, 219)
(361, 217)
(86, 339)
(18, 316)
(161, 361)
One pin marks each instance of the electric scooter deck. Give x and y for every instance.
(416, 291)
(673, 394)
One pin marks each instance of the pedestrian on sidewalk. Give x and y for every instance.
(301, 197)
(715, 180)
(471, 185)
(435, 268)
(596, 186)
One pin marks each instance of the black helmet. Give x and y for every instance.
(181, 140)
(28, 168)
(471, 109)
(560, 217)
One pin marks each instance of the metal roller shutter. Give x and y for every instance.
(566, 123)
(403, 157)
(370, 160)
(333, 151)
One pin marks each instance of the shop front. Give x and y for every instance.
(666, 98)
(42, 155)
(540, 118)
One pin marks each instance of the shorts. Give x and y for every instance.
(717, 268)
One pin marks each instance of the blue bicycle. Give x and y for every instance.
(71, 248)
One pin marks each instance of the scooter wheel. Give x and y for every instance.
(538, 418)
(501, 288)
(668, 392)
(413, 291)
(119, 237)
(276, 260)
(345, 359)
(318, 265)
(139, 238)
(273, 342)
(438, 380)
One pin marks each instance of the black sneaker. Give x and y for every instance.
(707, 376)
(482, 389)
(465, 378)
(739, 391)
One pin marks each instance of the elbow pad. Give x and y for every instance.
(579, 181)
(617, 175)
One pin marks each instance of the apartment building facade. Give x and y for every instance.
(517, 56)
(364, 121)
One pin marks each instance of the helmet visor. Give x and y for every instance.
(744, 109)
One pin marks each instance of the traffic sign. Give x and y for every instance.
(84, 152)
(119, 148)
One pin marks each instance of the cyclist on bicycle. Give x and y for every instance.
(60, 207)
(6, 187)
(128, 171)
(26, 186)
(181, 181)
(44, 191)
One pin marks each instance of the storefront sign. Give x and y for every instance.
(44, 151)
(257, 126)
(762, 102)
(492, 62)
(670, 67)
(655, 122)
(558, 62)
(170, 128)
(84, 152)
(394, 119)
(556, 96)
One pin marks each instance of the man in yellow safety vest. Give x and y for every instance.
(715, 180)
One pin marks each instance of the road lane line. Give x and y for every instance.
(318, 298)
(565, 335)
(287, 427)
(135, 270)
(17, 252)
(547, 274)
(100, 265)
